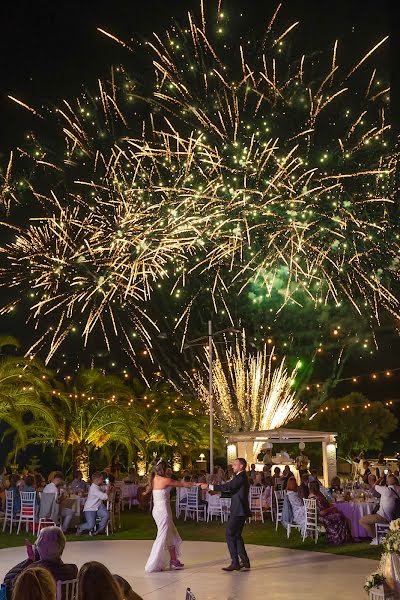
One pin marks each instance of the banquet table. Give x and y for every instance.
(353, 511)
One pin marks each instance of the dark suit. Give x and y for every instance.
(240, 511)
(60, 571)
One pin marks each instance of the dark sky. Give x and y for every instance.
(49, 49)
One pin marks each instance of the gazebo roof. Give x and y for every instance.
(281, 436)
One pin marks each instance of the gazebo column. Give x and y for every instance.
(329, 459)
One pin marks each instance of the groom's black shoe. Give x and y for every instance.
(244, 565)
(232, 567)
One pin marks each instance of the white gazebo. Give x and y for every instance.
(246, 444)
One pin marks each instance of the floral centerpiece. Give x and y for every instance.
(373, 580)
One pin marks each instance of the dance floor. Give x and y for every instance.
(276, 574)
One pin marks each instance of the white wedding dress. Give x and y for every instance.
(167, 534)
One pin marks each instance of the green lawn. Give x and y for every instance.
(140, 526)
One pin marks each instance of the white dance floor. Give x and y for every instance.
(276, 574)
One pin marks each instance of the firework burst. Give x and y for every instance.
(251, 392)
(241, 165)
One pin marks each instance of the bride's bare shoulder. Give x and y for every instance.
(160, 483)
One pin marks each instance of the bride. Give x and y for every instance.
(168, 539)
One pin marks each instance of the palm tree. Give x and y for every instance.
(91, 411)
(171, 424)
(24, 390)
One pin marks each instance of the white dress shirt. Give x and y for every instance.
(94, 498)
(388, 500)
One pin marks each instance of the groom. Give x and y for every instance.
(240, 511)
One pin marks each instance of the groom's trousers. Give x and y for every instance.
(234, 539)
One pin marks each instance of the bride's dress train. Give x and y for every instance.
(167, 534)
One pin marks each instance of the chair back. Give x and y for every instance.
(310, 505)
(9, 502)
(193, 497)
(256, 491)
(49, 509)
(67, 590)
(28, 502)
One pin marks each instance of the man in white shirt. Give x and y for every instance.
(54, 487)
(94, 507)
(389, 503)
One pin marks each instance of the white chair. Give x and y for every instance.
(189, 595)
(381, 530)
(67, 590)
(279, 496)
(28, 510)
(214, 508)
(193, 507)
(180, 501)
(9, 516)
(310, 505)
(43, 523)
(255, 502)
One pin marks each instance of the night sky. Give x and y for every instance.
(51, 49)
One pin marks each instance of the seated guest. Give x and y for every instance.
(46, 553)
(267, 471)
(277, 476)
(40, 482)
(336, 486)
(303, 487)
(267, 493)
(78, 485)
(299, 512)
(335, 523)
(14, 487)
(29, 484)
(367, 471)
(381, 459)
(387, 506)
(94, 507)
(34, 584)
(126, 590)
(371, 486)
(252, 472)
(132, 476)
(259, 479)
(314, 477)
(55, 488)
(286, 475)
(95, 582)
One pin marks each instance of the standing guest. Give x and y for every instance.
(381, 459)
(40, 482)
(367, 471)
(252, 472)
(240, 511)
(35, 584)
(335, 523)
(95, 582)
(299, 512)
(302, 461)
(267, 494)
(94, 507)
(115, 466)
(286, 475)
(303, 487)
(55, 488)
(46, 554)
(390, 498)
(78, 485)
